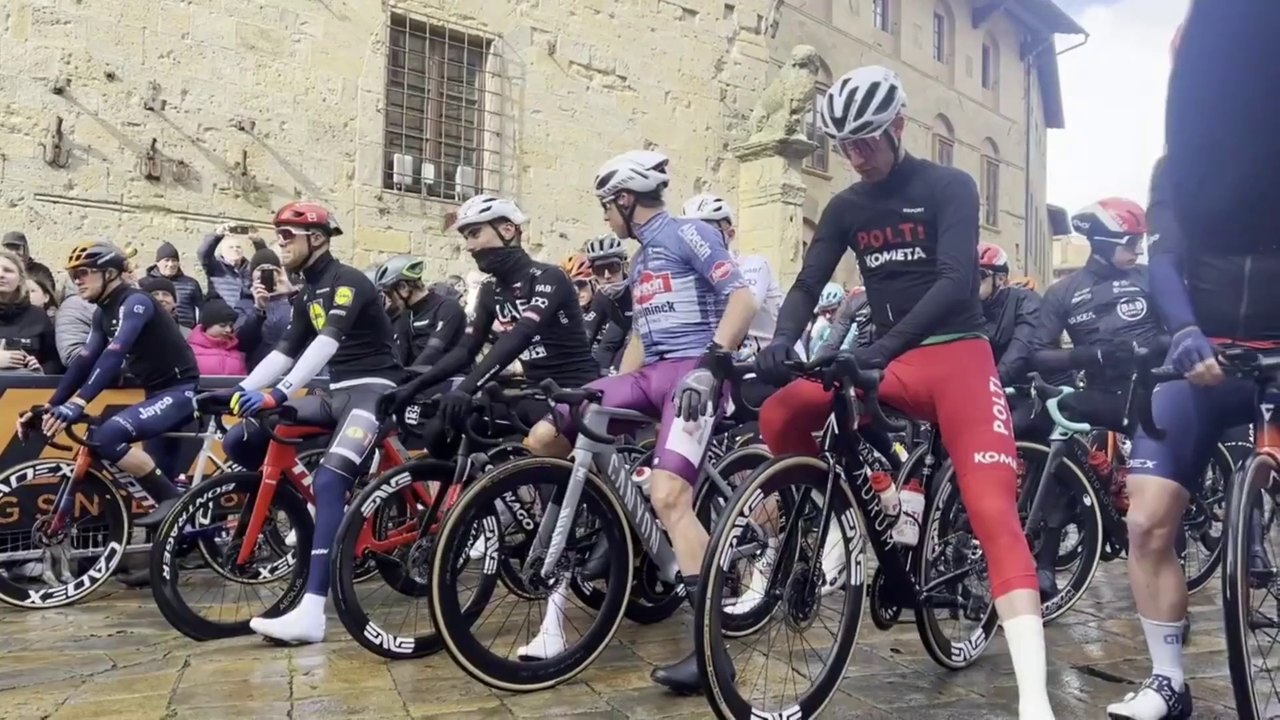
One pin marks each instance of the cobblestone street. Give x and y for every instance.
(114, 657)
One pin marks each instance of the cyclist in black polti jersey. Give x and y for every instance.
(430, 324)
(339, 322)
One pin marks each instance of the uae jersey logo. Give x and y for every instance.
(650, 285)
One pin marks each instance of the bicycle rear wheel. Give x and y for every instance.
(958, 618)
(1204, 521)
(1249, 599)
(218, 598)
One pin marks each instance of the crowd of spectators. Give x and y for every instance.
(231, 321)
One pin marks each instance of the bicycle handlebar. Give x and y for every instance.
(574, 399)
(36, 414)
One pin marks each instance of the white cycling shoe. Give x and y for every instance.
(549, 642)
(1155, 699)
(758, 583)
(302, 625)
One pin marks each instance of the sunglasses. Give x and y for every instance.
(79, 273)
(984, 274)
(581, 284)
(861, 148)
(606, 268)
(288, 234)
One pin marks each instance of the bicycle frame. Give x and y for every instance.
(557, 521)
(282, 462)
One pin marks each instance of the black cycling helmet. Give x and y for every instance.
(97, 255)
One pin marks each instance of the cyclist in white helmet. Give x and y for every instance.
(755, 268)
(610, 326)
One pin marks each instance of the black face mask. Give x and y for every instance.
(501, 262)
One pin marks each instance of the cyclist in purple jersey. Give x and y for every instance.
(692, 307)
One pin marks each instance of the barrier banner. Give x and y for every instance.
(40, 469)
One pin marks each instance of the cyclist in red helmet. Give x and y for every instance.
(338, 321)
(1011, 314)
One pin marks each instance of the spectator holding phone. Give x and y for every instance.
(26, 334)
(187, 296)
(272, 307)
(222, 255)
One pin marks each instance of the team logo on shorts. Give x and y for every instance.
(1132, 308)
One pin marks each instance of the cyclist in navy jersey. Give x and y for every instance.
(129, 332)
(338, 322)
(428, 324)
(691, 308)
(913, 226)
(1209, 297)
(1224, 153)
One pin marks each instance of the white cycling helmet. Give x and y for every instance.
(605, 247)
(862, 103)
(707, 207)
(640, 171)
(487, 208)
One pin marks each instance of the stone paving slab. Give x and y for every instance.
(115, 657)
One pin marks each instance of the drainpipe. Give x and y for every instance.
(1027, 66)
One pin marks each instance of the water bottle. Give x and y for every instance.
(641, 476)
(907, 530)
(882, 483)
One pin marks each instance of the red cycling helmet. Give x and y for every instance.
(993, 257)
(1115, 220)
(307, 215)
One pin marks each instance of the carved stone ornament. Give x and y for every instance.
(784, 106)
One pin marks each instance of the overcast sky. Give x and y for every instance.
(1113, 90)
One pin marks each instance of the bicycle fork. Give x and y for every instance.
(557, 520)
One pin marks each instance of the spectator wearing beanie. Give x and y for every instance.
(162, 290)
(272, 308)
(187, 296)
(16, 243)
(214, 341)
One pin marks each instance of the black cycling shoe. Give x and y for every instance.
(157, 516)
(681, 678)
(596, 566)
(1048, 581)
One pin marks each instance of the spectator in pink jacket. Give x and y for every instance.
(214, 341)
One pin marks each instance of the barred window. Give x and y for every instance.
(820, 160)
(442, 129)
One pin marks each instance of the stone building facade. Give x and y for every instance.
(154, 120)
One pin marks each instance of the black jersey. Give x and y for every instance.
(341, 302)
(915, 235)
(434, 324)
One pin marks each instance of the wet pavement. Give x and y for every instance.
(115, 657)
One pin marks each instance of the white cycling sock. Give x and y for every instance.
(1025, 636)
(1164, 642)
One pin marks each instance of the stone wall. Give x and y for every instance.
(579, 80)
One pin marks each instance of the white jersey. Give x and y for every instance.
(759, 276)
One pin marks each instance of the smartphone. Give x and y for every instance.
(239, 229)
(267, 277)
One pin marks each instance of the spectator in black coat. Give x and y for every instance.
(188, 296)
(16, 243)
(26, 333)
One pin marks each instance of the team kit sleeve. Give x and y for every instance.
(279, 360)
(135, 312)
(957, 261)
(352, 292)
(552, 293)
(79, 368)
(708, 256)
(1167, 266)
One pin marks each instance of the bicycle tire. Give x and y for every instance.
(361, 513)
(952, 656)
(1221, 459)
(166, 573)
(714, 662)
(1248, 481)
(476, 504)
(117, 522)
(1089, 524)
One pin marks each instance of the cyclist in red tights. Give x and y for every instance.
(913, 226)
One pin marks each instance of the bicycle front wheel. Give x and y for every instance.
(1249, 599)
(814, 583)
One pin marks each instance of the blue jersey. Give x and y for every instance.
(680, 282)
